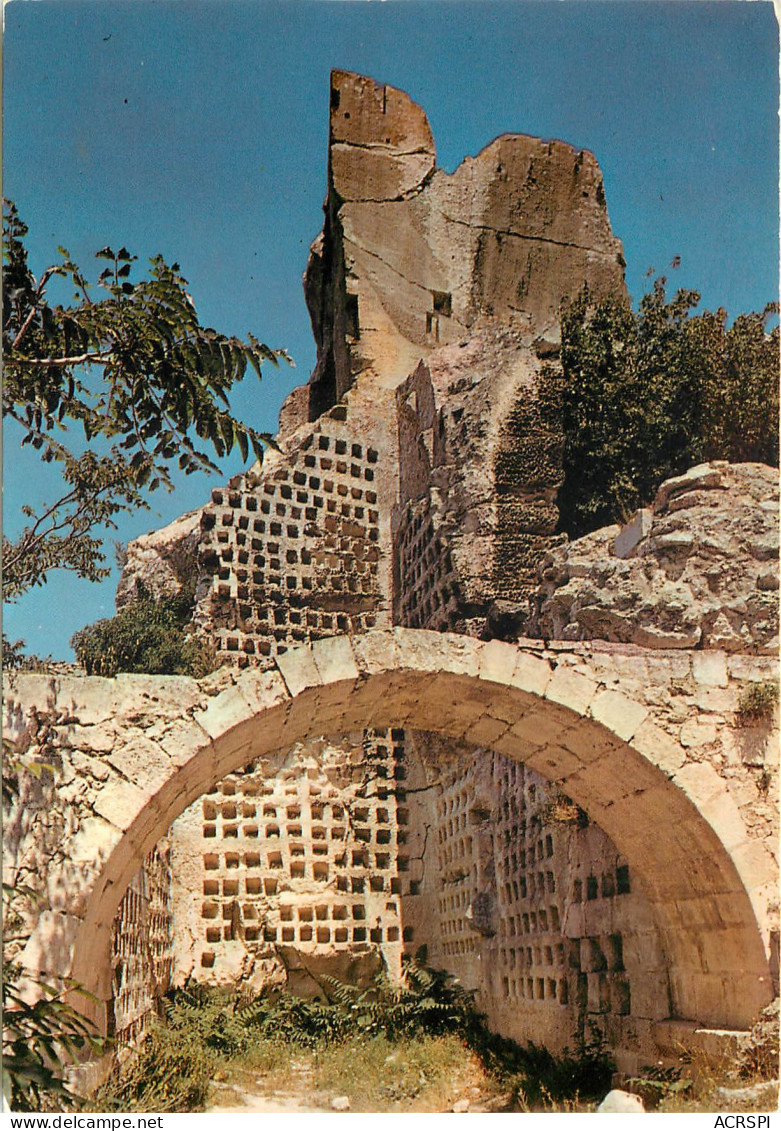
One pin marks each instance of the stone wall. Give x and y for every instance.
(142, 947)
(587, 717)
(283, 879)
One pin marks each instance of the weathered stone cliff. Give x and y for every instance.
(412, 258)
(699, 569)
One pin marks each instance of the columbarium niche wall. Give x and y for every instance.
(526, 901)
(281, 880)
(142, 947)
(298, 550)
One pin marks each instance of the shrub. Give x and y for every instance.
(153, 636)
(643, 396)
(757, 702)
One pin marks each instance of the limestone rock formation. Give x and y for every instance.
(161, 562)
(699, 569)
(412, 258)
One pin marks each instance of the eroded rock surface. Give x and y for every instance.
(699, 569)
(412, 258)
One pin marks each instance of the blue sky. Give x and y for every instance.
(199, 129)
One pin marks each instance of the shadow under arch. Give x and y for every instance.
(600, 747)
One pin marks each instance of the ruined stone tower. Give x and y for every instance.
(414, 485)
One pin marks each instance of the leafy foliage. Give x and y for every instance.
(149, 635)
(38, 1040)
(40, 1037)
(643, 396)
(206, 1026)
(132, 368)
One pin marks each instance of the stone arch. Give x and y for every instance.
(677, 827)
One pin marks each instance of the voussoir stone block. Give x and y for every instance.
(498, 662)
(571, 690)
(617, 713)
(142, 761)
(182, 739)
(226, 711)
(658, 747)
(334, 659)
(262, 689)
(375, 652)
(298, 669)
(437, 652)
(710, 668)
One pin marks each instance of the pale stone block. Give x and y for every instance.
(553, 762)
(695, 733)
(182, 739)
(334, 659)
(262, 689)
(702, 477)
(120, 802)
(427, 651)
(710, 668)
(96, 739)
(658, 747)
(143, 762)
(145, 695)
(724, 817)
(715, 700)
(227, 711)
(498, 661)
(95, 840)
(49, 950)
(621, 1103)
(85, 699)
(512, 746)
(485, 731)
(532, 674)
(571, 690)
(618, 714)
(541, 726)
(298, 669)
(699, 781)
(632, 533)
(375, 652)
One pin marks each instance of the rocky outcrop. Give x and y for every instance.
(412, 258)
(699, 569)
(161, 562)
